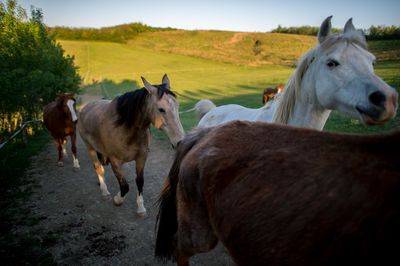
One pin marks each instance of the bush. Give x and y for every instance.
(121, 33)
(33, 66)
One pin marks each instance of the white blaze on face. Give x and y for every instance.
(70, 105)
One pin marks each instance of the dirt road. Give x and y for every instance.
(86, 230)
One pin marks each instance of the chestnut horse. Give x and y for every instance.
(60, 118)
(269, 93)
(300, 197)
(118, 131)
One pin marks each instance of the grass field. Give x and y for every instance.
(225, 70)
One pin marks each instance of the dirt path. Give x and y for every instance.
(89, 231)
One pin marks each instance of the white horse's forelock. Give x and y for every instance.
(291, 91)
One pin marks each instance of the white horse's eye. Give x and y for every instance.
(161, 110)
(332, 63)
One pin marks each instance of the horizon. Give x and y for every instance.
(221, 15)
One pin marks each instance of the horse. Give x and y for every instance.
(337, 74)
(118, 131)
(60, 120)
(300, 197)
(269, 93)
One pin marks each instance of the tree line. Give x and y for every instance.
(120, 33)
(33, 67)
(372, 33)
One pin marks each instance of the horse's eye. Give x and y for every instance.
(161, 110)
(332, 63)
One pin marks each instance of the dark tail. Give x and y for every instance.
(166, 222)
(103, 159)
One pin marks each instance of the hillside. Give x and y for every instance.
(240, 48)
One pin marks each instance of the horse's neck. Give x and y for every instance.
(309, 116)
(266, 113)
(307, 110)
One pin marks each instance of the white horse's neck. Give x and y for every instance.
(307, 110)
(309, 116)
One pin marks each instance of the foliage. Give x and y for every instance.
(33, 66)
(373, 33)
(383, 33)
(303, 30)
(120, 33)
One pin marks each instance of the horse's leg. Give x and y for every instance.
(64, 150)
(123, 185)
(140, 162)
(181, 260)
(73, 148)
(100, 172)
(59, 144)
(194, 234)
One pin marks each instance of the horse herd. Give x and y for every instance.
(276, 193)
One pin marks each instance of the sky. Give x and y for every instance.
(231, 15)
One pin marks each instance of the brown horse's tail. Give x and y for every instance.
(103, 159)
(166, 222)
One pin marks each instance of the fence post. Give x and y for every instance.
(24, 139)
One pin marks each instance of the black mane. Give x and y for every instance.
(132, 105)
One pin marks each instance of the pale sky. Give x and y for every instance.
(233, 15)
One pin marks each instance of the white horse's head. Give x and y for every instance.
(344, 76)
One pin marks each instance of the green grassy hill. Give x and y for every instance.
(241, 48)
(226, 67)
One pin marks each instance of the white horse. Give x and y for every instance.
(337, 74)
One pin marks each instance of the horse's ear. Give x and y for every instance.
(349, 27)
(165, 81)
(325, 29)
(150, 88)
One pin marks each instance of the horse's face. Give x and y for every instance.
(68, 105)
(166, 117)
(164, 113)
(345, 78)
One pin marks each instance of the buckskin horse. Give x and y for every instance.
(337, 74)
(300, 197)
(118, 131)
(60, 118)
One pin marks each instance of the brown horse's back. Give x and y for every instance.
(288, 196)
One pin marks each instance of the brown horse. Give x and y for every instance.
(60, 118)
(118, 131)
(269, 93)
(296, 197)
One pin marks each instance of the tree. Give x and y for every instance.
(33, 68)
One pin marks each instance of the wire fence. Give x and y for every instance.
(18, 131)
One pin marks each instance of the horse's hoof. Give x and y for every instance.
(142, 215)
(61, 164)
(117, 201)
(107, 197)
(76, 169)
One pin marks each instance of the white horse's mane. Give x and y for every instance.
(291, 91)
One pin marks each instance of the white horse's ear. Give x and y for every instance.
(165, 81)
(325, 29)
(150, 88)
(349, 27)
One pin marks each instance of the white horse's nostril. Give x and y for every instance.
(377, 98)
